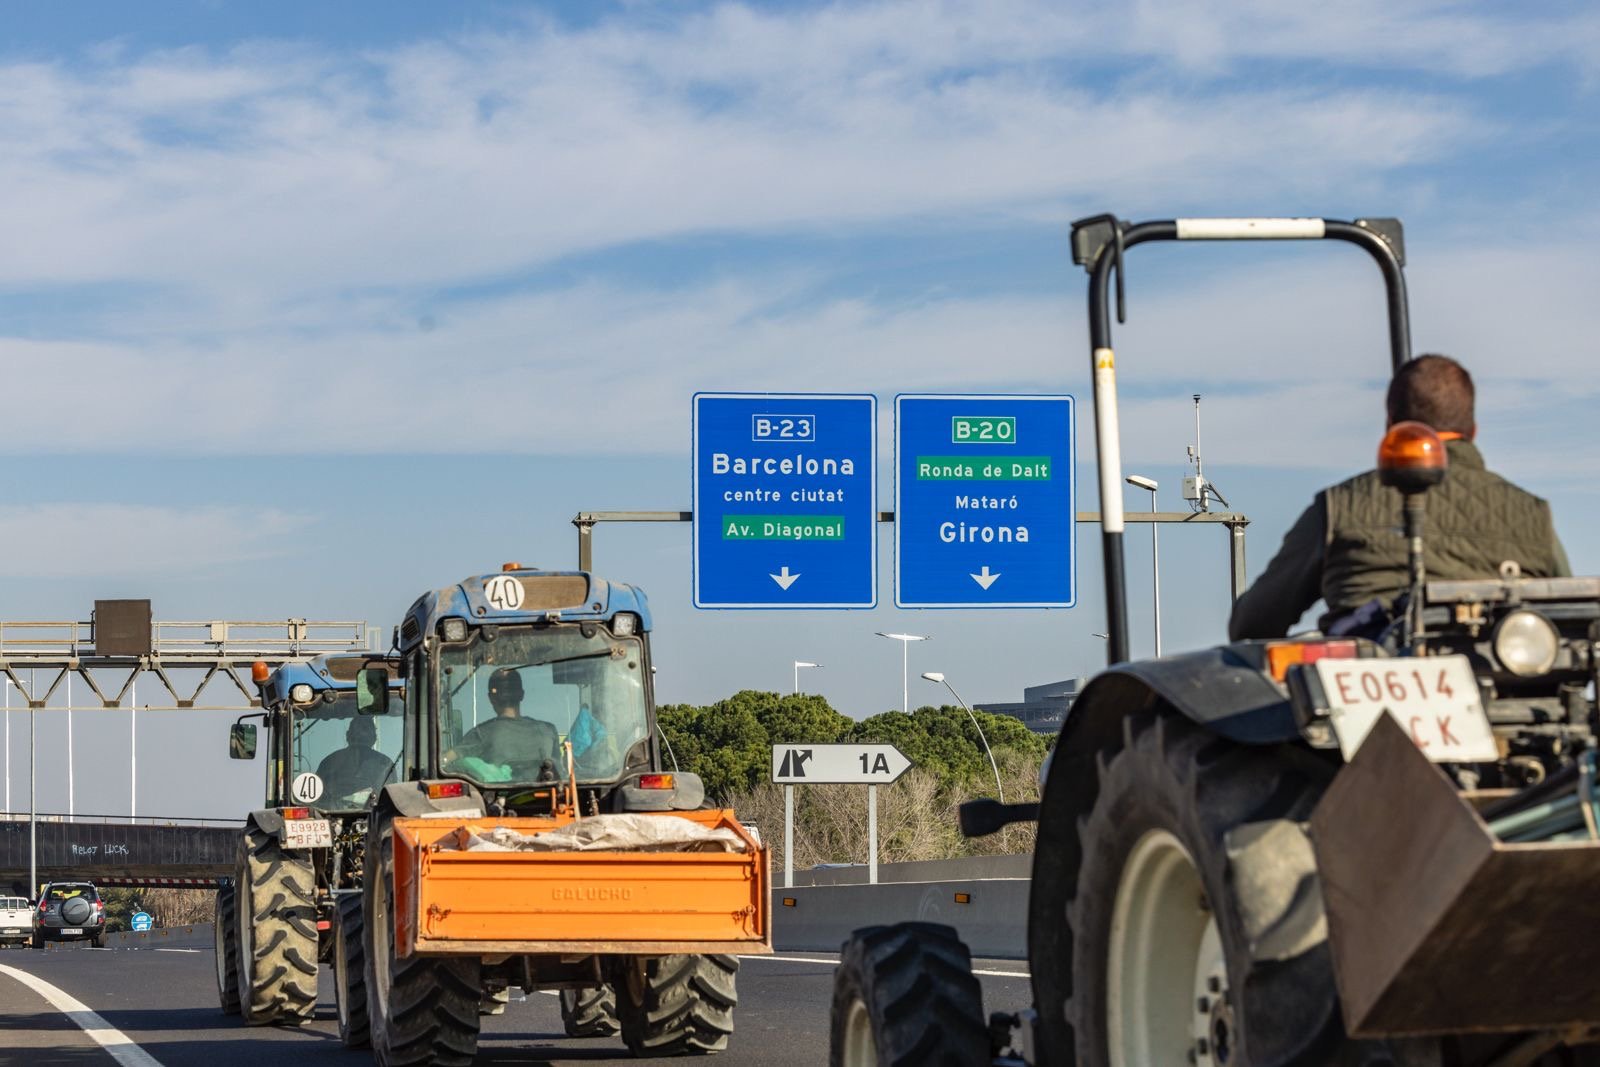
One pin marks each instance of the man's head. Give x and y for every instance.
(505, 690)
(361, 733)
(1436, 391)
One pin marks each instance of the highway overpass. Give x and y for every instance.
(117, 852)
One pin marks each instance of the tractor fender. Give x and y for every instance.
(410, 800)
(268, 821)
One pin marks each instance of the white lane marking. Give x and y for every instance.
(816, 959)
(108, 1037)
(551, 992)
(179, 950)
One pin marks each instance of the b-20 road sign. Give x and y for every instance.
(837, 764)
(984, 508)
(785, 500)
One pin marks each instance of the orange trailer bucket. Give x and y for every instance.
(454, 902)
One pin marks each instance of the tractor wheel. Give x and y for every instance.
(225, 933)
(1160, 967)
(905, 995)
(673, 1005)
(421, 1009)
(589, 1012)
(350, 973)
(277, 932)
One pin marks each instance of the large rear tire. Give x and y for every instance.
(677, 1005)
(350, 973)
(1161, 965)
(590, 1012)
(277, 931)
(422, 1010)
(905, 995)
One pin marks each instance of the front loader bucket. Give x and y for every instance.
(1435, 925)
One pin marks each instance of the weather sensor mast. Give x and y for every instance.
(1196, 490)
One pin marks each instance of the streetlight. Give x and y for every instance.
(797, 665)
(935, 676)
(905, 647)
(1155, 547)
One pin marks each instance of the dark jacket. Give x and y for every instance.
(1347, 548)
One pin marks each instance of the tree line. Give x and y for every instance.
(729, 744)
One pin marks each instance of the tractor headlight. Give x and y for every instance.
(453, 630)
(625, 624)
(300, 694)
(1526, 643)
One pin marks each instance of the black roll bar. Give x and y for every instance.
(1098, 244)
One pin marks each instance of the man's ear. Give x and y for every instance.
(1472, 434)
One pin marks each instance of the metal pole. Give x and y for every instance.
(998, 788)
(872, 835)
(71, 810)
(1236, 556)
(796, 689)
(133, 751)
(33, 806)
(1155, 567)
(8, 743)
(788, 837)
(905, 685)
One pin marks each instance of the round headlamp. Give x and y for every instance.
(300, 694)
(1526, 643)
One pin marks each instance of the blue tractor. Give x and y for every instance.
(301, 857)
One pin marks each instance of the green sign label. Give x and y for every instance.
(783, 527)
(968, 469)
(983, 430)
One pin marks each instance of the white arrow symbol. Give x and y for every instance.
(785, 579)
(985, 579)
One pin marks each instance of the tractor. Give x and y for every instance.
(1378, 848)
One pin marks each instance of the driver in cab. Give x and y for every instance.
(509, 740)
(357, 767)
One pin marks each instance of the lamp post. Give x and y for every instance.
(905, 646)
(1140, 482)
(935, 676)
(797, 665)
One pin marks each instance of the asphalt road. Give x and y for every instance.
(164, 1000)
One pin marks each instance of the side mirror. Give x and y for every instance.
(242, 741)
(372, 691)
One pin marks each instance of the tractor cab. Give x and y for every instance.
(321, 752)
(534, 687)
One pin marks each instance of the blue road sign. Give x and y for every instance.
(984, 502)
(785, 500)
(141, 921)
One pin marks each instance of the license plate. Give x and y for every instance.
(1433, 698)
(307, 833)
(72, 929)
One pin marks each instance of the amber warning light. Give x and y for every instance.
(259, 672)
(1411, 457)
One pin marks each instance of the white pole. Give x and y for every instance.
(905, 689)
(8, 744)
(872, 835)
(71, 810)
(133, 752)
(796, 689)
(1155, 566)
(788, 837)
(33, 810)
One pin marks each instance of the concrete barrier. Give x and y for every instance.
(992, 918)
(198, 935)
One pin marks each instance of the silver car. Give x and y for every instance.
(70, 911)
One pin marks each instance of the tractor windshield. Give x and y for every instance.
(349, 756)
(510, 695)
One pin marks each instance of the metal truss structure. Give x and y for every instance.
(37, 657)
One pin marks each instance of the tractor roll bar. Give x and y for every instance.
(1098, 244)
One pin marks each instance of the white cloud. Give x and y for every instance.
(77, 540)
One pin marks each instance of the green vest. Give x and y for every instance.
(1475, 521)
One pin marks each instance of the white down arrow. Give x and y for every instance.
(985, 579)
(785, 579)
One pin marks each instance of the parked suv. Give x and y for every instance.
(70, 911)
(16, 920)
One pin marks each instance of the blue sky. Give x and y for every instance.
(305, 308)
